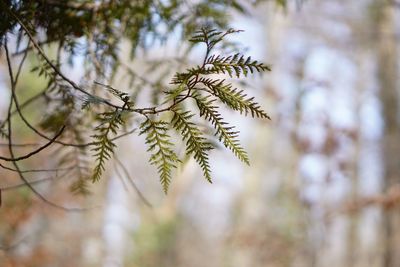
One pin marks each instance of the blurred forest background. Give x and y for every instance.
(323, 188)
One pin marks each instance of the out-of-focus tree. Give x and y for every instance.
(388, 71)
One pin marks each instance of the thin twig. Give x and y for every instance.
(71, 144)
(12, 246)
(10, 148)
(24, 105)
(55, 69)
(50, 178)
(129, 178)
(37, 170)
(120, 176)
(36, 151)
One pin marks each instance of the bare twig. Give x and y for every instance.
(120, 176)
(50, 178)
(54, 68)
(36, 151)
(10, 148)
(12, 246)
(14, 81)
(37, 170)
(70, 144)
(130, 180)
(24, 105)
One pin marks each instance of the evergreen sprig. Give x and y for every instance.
(225, 133)
(196, 83)
(124, 97)
(58, 32)
(236, 65)
(234, 98)
(196, 143)
(163, 155)
(80, 187)
(210, 36)
(104, 146)
(77, 156)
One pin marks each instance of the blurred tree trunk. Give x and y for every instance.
(387, 75)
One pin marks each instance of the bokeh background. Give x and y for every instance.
(323, 186)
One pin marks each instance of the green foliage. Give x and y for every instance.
(210, 36)
(197, 84)
(104, 146)
(122, 96)
(79, 157)
(102, 21)
(234, 65)
(3, 130)
(163, 155)
(282, 3)
(94, 30)
(55, 120)
(80, 187)
(224, 132)
(196, 143)
(234, 98)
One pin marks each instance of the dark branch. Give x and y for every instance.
(36, 151)
(10, 148)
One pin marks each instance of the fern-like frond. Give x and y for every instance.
(234, 98)
(117, 93)
(80, 187)
(211, 37)
(3, 130)
(176, 92)
(163, 155)
(104, 146)
(196, 143)
(90, 100)
(236, 64)
(224, 132)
